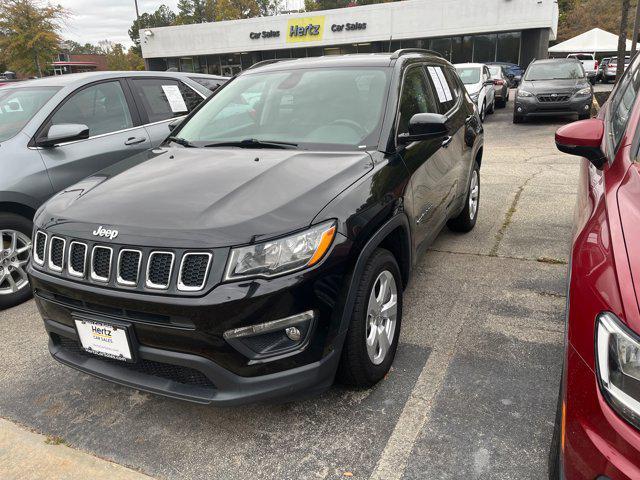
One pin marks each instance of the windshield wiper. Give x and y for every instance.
(254, 143)
(181, 141)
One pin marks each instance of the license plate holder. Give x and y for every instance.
(106, 338)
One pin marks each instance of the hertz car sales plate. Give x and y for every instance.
(104, 339)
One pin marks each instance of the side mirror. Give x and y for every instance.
(425, 126)
(583, 138)
(63, 132)
(172, 126)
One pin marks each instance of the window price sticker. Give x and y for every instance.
(442, 87)
(174, 97)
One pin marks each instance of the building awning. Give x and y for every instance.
(74, 64)
(593, 41)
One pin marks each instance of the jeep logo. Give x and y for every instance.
(103, 232)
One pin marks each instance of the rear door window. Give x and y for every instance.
(163, 99)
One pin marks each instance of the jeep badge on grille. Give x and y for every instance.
(104, 232)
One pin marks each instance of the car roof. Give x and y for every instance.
(80, 78)
(349, 60)
(555, 60)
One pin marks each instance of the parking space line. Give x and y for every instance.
(417, 410)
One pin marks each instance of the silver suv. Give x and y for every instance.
(57, 130)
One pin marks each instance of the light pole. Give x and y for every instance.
(636, 26)
(137, 12)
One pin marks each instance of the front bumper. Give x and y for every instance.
(179, 341)
(531, 106)
(599, 444)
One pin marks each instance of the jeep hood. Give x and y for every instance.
(205, 196)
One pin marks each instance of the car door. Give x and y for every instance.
(115, 133)
(160, 101)
(425, 160)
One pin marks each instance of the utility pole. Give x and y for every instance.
(137, 12)
(622, 39)
(636, 26)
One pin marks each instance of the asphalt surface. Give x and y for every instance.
(472, 392)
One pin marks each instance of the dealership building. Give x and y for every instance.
(515, 31)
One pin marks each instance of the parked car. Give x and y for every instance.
(610, 73)
(589, 64)
(602, 65)
(597, 432)
(246, 262)
(514, 72)
(57, 130)
(212, 82)
(553, 87)
(479, 84)
(500, 85)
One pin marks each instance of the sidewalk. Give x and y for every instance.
(30, 456)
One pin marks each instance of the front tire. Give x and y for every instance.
(518, 118)
(15, 248)
(467, 218)
(372, 338)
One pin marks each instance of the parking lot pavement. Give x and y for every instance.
(471, 394)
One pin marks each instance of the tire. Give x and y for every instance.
(18, 291)
(518, 118)
(357, 367)
(554, 450)
(492, 108)
(469, 215)
(584, 116)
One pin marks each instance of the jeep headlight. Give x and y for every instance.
(524, 93)
(583, 92)
(618, 362)
(282, 255)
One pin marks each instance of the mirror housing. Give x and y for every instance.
(174, 123)
(425, 126)
(584, 139)
(63, 132)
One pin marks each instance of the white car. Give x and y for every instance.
(479, 83)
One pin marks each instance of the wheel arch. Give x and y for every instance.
(18, 209)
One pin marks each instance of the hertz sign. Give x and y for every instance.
(307, 29)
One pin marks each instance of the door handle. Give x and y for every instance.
(447, 141)
(135, 140)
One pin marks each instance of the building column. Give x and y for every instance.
(534, 45)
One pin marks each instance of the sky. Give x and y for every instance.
(93, 20)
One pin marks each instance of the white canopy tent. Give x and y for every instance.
(594, 41)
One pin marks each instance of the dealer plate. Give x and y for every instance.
(104, 339)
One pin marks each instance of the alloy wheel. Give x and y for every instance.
(474, 190)
(15, 248)
(382, 313)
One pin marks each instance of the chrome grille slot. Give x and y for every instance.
(56, 253)
(159, 269)
(41, 248)
(194, 269)
(77, 261)
(101, 263)
(129, 267)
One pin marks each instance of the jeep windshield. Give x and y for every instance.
(18, 105)
(315, 108)
(554, 71)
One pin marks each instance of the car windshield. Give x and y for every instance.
(469, 75)
(19, 105)
(554, 71)
(309, 108)
(495, 71)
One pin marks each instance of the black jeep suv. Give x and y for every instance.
(264, 248)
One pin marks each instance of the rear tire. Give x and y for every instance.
(13, 288)
(362, 363)
(467, 218)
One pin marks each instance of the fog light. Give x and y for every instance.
(519, 109)
(293, 333)
(587, 107)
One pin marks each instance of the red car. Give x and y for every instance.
(597, 434)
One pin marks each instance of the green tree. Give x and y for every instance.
(118, 58)
(76, 48)
(162, 17)
(579, 16)
(236, 9)
(196, 11)
(29, 36)
(269, 7)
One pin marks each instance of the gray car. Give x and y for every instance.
(553, 87)
(58, 130)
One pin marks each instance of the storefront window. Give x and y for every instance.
(298, 53)
(286, 53)
(364, 48)
(315, 51)
(394, 45)
(157, 64)
(508, 47)
(213, 65)
(442, 46)
(484, 48)
(172, 64)
(186, 64)
(461, 49)
(332, 50)
(200, 64)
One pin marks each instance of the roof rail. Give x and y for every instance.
(262, 63)
(405, 51)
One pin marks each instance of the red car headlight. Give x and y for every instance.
(618, 366)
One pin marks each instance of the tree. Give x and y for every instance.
(269, 7)
(579, 16)
(196, 11)
(78, 49)
(118, 59)
(622, 38)
(311, 5)
(162, 17)
(236, 9)
(29, 36)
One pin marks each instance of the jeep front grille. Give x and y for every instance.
(77, 259)
(129, 267)
(193, 271)
(56, 254)
(101, 263)
(159, 270)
